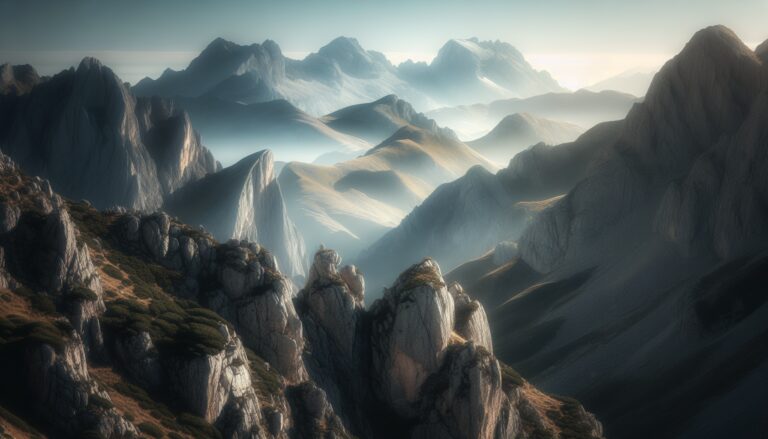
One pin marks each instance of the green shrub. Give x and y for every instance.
(82, 294)
(96, 401)
(151, 429)
(18, 330)
(43, 303)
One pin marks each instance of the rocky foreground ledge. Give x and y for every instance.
(118, 324)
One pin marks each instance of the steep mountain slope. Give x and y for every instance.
(83, 130)
(99, 338)
(519, 131)
(649, 272)
(244, 202)
(480, 209)
(583, 108)
(478, 71)
(233, 130)
(350, 204)
(342, 73)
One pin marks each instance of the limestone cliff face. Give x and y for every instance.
(244, 201)
(84, 131)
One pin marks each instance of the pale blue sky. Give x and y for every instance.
(586, 39)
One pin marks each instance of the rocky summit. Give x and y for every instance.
(118, 323)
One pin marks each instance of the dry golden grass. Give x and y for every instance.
(14, 304)
(543, 404)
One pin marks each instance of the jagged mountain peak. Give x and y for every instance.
(481, 50)
(700, 95)
(351, 58)
(342, 43)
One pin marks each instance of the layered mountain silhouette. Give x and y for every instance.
(235, 130)
(583, 108)
(352, 203)
(633, 82)
(519, 131)
(647, 276)
(480, 209)
(342, 73)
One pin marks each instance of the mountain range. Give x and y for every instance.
(342, 73)
(582, 108)
(350, 204)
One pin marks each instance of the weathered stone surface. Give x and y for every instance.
(465, 399)
(471, 322)
(412, 326)
(59, 383)
(138, 357)
(218, 388)
(332, 311)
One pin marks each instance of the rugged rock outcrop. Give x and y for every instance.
(41, 247)
(84, 131)
(332, 310)
(239, 280)
(470, 320)
(59, 381)
(244, 202)
(466, 398)
(412, 326)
